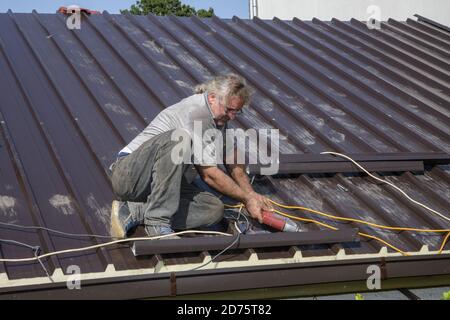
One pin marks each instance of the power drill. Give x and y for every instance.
(278, 222)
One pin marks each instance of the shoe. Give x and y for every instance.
(122, 220)
(160, 230)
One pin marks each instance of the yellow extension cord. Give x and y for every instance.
(362, 221)
(353, 220)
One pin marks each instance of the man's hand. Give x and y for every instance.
(265, 202)
(255, 204)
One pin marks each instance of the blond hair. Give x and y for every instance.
(226, 86)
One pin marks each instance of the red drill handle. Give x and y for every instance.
(272, 220)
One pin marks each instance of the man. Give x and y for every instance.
(154, 189)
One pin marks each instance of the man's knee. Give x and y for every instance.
(216, 210)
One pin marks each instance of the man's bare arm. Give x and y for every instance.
(218, 180)
(239, 175)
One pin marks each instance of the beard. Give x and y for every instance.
(222, 120)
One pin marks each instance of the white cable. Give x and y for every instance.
(111, 243)
(221, 252)
(237, 228)
(36, 257)
(387, 182)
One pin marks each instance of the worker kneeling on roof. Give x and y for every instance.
(156, 191)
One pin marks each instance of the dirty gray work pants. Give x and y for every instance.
(157, 191)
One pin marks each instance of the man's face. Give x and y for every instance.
(224, 113)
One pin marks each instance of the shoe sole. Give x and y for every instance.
(172, 237)
(116, 229)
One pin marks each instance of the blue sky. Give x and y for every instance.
(223, 8)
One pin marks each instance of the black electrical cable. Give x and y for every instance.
(55, 231)
(36, 254)
(34, 248)
(36, 251)
(237, 219)
(238, 236)
(236, 240)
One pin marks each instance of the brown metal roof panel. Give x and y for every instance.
(325, 85)
(125, 44)
(357, 71)
(363, 200)
(61, 207)
(57, 83)
(397, 46)
(372, 76)
(415, 37)
(368, 90)
(430, 29)
(413, 27)
(15, 208)
(301, 107)
(57, 201)
(105, 105)
(253, 117)
(384, 50)
(323, 129)
(381, 65)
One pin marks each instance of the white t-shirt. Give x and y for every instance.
(192, 114)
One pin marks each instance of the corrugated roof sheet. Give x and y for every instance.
(70, 99)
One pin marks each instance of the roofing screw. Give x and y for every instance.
(342, 187)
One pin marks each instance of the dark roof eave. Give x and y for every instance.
(194, 282)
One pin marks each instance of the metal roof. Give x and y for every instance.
(70, 99)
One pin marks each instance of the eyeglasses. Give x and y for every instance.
(234, 111)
